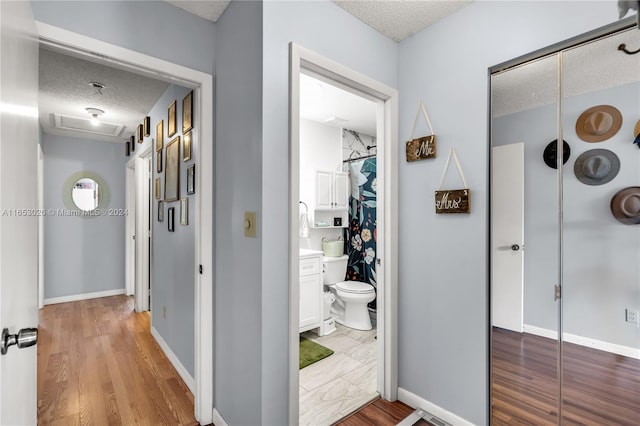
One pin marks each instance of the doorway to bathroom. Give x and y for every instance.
(343, 273)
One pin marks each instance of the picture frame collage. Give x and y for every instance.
(178, 147)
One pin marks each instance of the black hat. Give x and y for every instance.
(550, 153)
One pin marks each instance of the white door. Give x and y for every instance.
(18, 203)
(507, 229)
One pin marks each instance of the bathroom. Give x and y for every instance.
(338, 235)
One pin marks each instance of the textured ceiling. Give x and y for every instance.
(399, 19)
(65, 90)
(396, 19)
(210, 10)
(587, 68)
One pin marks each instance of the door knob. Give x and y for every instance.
(25, 338)
(515, 247)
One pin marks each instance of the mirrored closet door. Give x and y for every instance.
(565, 235)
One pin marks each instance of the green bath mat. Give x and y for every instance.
(311, 352)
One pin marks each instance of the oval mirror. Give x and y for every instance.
(86, 194)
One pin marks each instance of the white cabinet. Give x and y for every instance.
(332, 190)
(310, 283)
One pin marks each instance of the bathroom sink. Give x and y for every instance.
(309, 253)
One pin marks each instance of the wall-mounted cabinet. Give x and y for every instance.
(331, 200)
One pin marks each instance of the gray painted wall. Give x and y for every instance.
(82, 255)
(328, 30)
(442, 354)
(238, 175)
(173, 253)
(156, 28)
(600, 256)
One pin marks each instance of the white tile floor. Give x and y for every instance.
(334, 387)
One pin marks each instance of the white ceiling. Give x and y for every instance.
(66, 90)
(396, 19)
(325, 103)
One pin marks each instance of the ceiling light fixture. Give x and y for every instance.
(95, 113)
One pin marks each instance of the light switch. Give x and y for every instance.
(250, 224)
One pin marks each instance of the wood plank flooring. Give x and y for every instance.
(599, 388)
(99, 365)
(380, 413)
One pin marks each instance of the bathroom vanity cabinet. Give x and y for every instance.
(310, 289)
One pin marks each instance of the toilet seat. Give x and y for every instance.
(354, 287)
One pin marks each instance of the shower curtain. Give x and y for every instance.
(360, 238)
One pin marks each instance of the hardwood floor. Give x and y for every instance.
(380, 413)
(599, 388)
(99, 365)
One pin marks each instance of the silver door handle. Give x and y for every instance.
(25, 338)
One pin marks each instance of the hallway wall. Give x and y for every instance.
(79, 251)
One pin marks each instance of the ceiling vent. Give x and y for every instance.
(65, 122)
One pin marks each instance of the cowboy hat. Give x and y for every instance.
(625, 205)
(596, 166)
(550, 155)
(598, 123)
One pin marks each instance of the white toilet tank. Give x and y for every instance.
(335, 269)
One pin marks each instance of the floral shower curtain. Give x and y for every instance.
(360, 239)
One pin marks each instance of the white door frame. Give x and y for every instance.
(387, 117)
(137, 250)
(202, 84)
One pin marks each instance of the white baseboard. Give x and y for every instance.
(85, 296)
(217, 418)
(415, 401)
(188, 380)
(584, 341)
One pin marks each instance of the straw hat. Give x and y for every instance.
(625, 205)
(598, 123)
(596, 166)
(550, 155)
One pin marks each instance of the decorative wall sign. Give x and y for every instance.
(453, 200)
(171, 120)
(160, 135)
(187, 108)
(425, 146)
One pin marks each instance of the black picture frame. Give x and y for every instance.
(170, 219)
(191, 179)
(132, 143)
(147, 126)
(127, 150)
(140, 133)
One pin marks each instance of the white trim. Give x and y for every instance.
(387, 117)
(218, 420)
(182, 371)
(40, 227)
(613, 348)
(84, 296)
(130, 227)
(202, 84)
(414, 401)
(142, 213)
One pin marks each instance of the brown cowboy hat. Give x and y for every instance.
(598, 123)
(625, 205)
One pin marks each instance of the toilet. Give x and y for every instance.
(352, 297)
